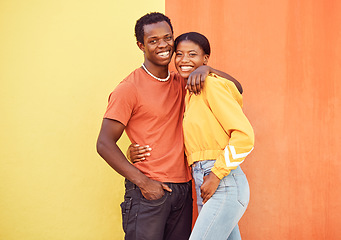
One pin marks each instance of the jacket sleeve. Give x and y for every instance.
(226, 104)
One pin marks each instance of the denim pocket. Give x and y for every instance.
(242, 188)
(125, 209)
(154, 203)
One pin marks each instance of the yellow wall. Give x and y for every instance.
(59, 60)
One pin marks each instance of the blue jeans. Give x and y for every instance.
(219, 217)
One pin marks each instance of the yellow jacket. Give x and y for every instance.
(215, 126)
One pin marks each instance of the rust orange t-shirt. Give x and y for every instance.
(152, 112)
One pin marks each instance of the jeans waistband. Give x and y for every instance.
(130, 186)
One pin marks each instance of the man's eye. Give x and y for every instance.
(192, 54)
(153, 41)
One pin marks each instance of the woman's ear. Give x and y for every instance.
(206, 57)
(140, 45)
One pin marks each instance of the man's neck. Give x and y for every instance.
(157, 70)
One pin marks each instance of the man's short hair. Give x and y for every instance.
(149, 18)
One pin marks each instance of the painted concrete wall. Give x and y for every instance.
(287, 56)
(59, 60)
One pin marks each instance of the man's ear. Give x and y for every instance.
(140, 45)
(206, 57)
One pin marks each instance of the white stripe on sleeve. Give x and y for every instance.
(234, 156)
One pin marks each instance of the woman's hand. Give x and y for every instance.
(209, 186)
(137, 153)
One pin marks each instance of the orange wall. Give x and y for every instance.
(287, 56)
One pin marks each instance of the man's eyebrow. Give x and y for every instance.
(159, 37)
(167, 34)
(152, 37)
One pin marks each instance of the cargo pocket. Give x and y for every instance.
(125, 208)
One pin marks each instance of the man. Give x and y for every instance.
(149, 106)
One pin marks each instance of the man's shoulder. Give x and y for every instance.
(127, 87)
(133, 76)
(130, 81)
(177, 78)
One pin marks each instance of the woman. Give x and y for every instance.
(218, 137)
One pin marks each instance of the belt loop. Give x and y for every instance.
(200, 165)
(130, 185)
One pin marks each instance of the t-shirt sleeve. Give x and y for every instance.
(121, 103)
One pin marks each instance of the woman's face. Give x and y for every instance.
(188, 57)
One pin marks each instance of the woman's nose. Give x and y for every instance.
(185, 58)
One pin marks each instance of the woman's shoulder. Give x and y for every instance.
(215, 84)
(217, 81)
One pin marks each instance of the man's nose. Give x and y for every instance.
(162, 43)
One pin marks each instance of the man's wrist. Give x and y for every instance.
(210, 69)
(142, 181)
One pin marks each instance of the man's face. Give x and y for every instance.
(158, 44)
